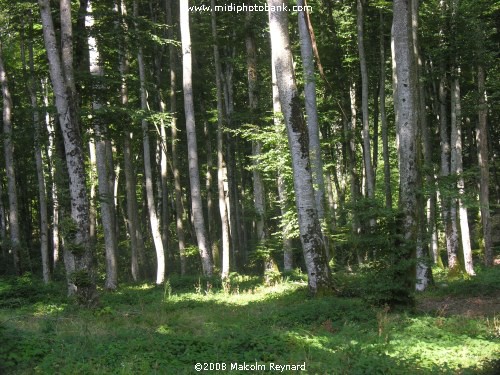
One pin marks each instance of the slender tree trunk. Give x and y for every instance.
(42, 191)
(405, 106)
(54, 189)
(306, 52)
(423, 271)
(194, 174)
(14, 228)
(105, 195)
(383, 119)
(220, 151)
(134, 228)
(457, 169)
(78, 239)
(370, 179)
(309, 225)
(258, 182)
(350, 131)
(287, 241)
(148, 173)
(179, 210)
(482, 142)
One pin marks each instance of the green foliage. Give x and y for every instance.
(137, 330)
(69, 230)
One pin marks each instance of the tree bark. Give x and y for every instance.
(100, 129)
(81, 277)
(457, 169)
(148, 173)
(383, 119)
(306, 52)
(298, 139)
(405, 106)
(423, 271)
(42, 191)
(370, 179)
(483, 161)
(14, 228)
(194, 174)
(258, 182)
(179, 209)
(287, 241)
(220, 152)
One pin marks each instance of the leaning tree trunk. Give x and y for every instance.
(194, 174)
(81, 278)
(482, 142)
(148, 173)
(14, 229)
(405, 106)
(298, 139)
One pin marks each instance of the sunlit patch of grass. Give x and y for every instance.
(138, 330)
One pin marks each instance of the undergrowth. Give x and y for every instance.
(147, 329)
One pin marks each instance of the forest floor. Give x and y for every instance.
(243, 327)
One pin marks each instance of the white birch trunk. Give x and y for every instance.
(309, 225)
(194, 175)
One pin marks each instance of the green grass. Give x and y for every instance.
(143, 329)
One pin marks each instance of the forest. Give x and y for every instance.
(263, 186)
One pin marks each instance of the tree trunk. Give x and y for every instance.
(194, 174)
(309, 225)
(306, 52)
(54, 192)
(14, 229)
(383, 119)
(81, 279)
(482, 142)
(405, 106)
(220, 152)
(105, 195)
(287, 241)
(423, 271)
(42, 191)
(457, 169)
(179, 210)
(138, 260)
(148, 173)
(370, 179)
(258, 182)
